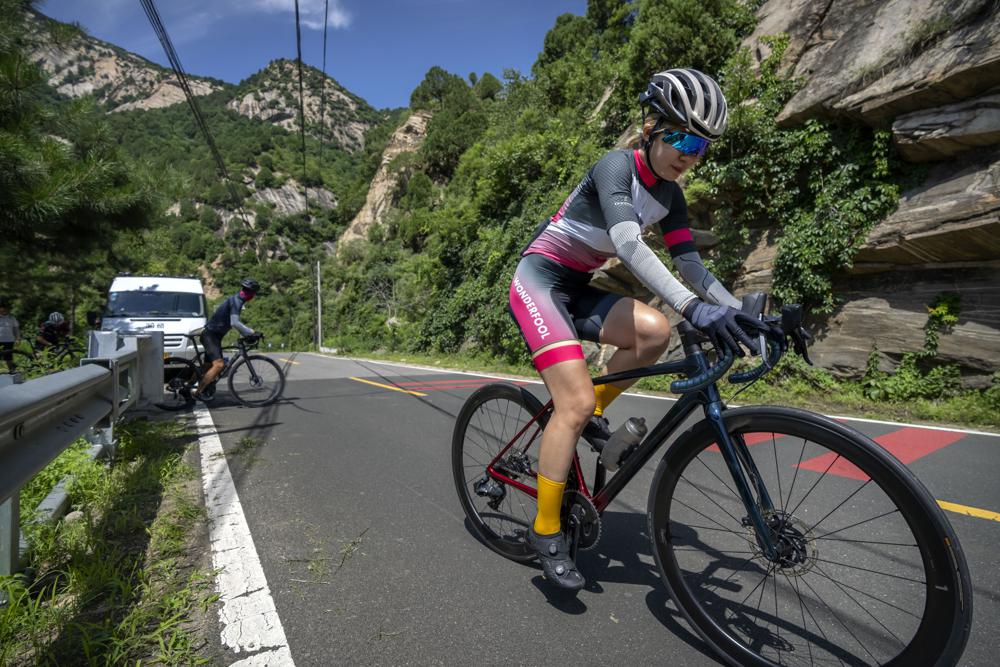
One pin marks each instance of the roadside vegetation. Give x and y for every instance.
(113, 583)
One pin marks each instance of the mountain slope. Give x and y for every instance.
(78, 65)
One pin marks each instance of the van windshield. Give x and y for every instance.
(156, 304)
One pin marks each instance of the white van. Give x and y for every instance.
(173, 305)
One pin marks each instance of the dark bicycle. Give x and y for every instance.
(784, 537)
(34, 359)
(255, 380)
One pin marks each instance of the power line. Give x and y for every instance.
(322, 96)
(302, 108)
(175, 63)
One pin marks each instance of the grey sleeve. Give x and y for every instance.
(234, 320)
(17, 329)
(702, 281)
(646, 266)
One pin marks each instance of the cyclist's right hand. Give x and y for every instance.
(723, 326)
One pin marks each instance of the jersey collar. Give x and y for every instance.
(645, 173)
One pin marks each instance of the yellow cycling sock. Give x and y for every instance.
(605, 393)
(549, 504)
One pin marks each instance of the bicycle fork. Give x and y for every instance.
(741, 466)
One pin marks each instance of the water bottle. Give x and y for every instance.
(621, 441)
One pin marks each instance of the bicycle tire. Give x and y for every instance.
(500, 528)
(178, 374)
(935, 636)
(247, 391)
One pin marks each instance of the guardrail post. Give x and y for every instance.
(150, 368)
(10, 536)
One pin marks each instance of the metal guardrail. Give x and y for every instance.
(42, 417)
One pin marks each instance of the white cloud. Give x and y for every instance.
(310, 11)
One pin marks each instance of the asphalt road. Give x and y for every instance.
(348, 493)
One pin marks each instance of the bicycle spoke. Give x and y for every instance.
(795, 476)
(712, 500)
(864, 569)
(853, 525)
(865, 593)
(721, 481)
(853, 493)
(839, 620)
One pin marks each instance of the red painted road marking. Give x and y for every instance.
(455, 386)
(454, 381)
(906, 444)
(751, 439)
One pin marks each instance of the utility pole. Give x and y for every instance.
(319, 310)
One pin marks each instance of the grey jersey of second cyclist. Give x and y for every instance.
(604, 217)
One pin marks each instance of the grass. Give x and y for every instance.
(792, 383)
(113, 582)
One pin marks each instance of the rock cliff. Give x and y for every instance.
(272, 95)
(79, 65)
(407, 138)
(930, 71)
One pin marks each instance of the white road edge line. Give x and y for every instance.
(248, 618)
(649, 396)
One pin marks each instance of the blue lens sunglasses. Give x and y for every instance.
(689, 144)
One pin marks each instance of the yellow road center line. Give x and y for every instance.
(969, 511)
(388, 386)
(288, 361)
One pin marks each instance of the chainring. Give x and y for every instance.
(580, 509)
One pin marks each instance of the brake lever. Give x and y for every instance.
(800, 338)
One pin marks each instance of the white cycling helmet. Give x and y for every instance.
(689, 98)
(56, 318)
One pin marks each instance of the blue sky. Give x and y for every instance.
(379, 49)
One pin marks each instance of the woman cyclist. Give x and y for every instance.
(625, 192)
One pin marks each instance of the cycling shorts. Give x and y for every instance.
(552, 303)
(212, 342)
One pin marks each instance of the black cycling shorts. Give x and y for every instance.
(212, 342)
(552, 303)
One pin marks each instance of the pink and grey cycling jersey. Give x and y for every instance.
(618, 188)
(604, 217)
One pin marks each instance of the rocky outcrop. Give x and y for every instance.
(272, 95)
(289, 198)
(878, 59)
(82, 65)
(930, 71)
(406, 139)
(954, 218)
(944, 132)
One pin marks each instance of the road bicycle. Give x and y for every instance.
(783, 537)
(255, 380)
(32, 359)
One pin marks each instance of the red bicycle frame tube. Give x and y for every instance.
(531, 491)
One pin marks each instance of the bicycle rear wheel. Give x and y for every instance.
(869, 570)
(180, 376)
(256, 380)
(491, 418)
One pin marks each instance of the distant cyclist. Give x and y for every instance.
(10, 331)
(623, 194)
(225, 317)
(54, 331)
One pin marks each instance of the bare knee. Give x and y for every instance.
(652, 332)
(217, 364)
(576, 409)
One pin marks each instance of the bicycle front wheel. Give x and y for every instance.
(256, 380)
(492, 418)
(868, 570)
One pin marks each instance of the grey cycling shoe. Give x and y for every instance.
(553, 554)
